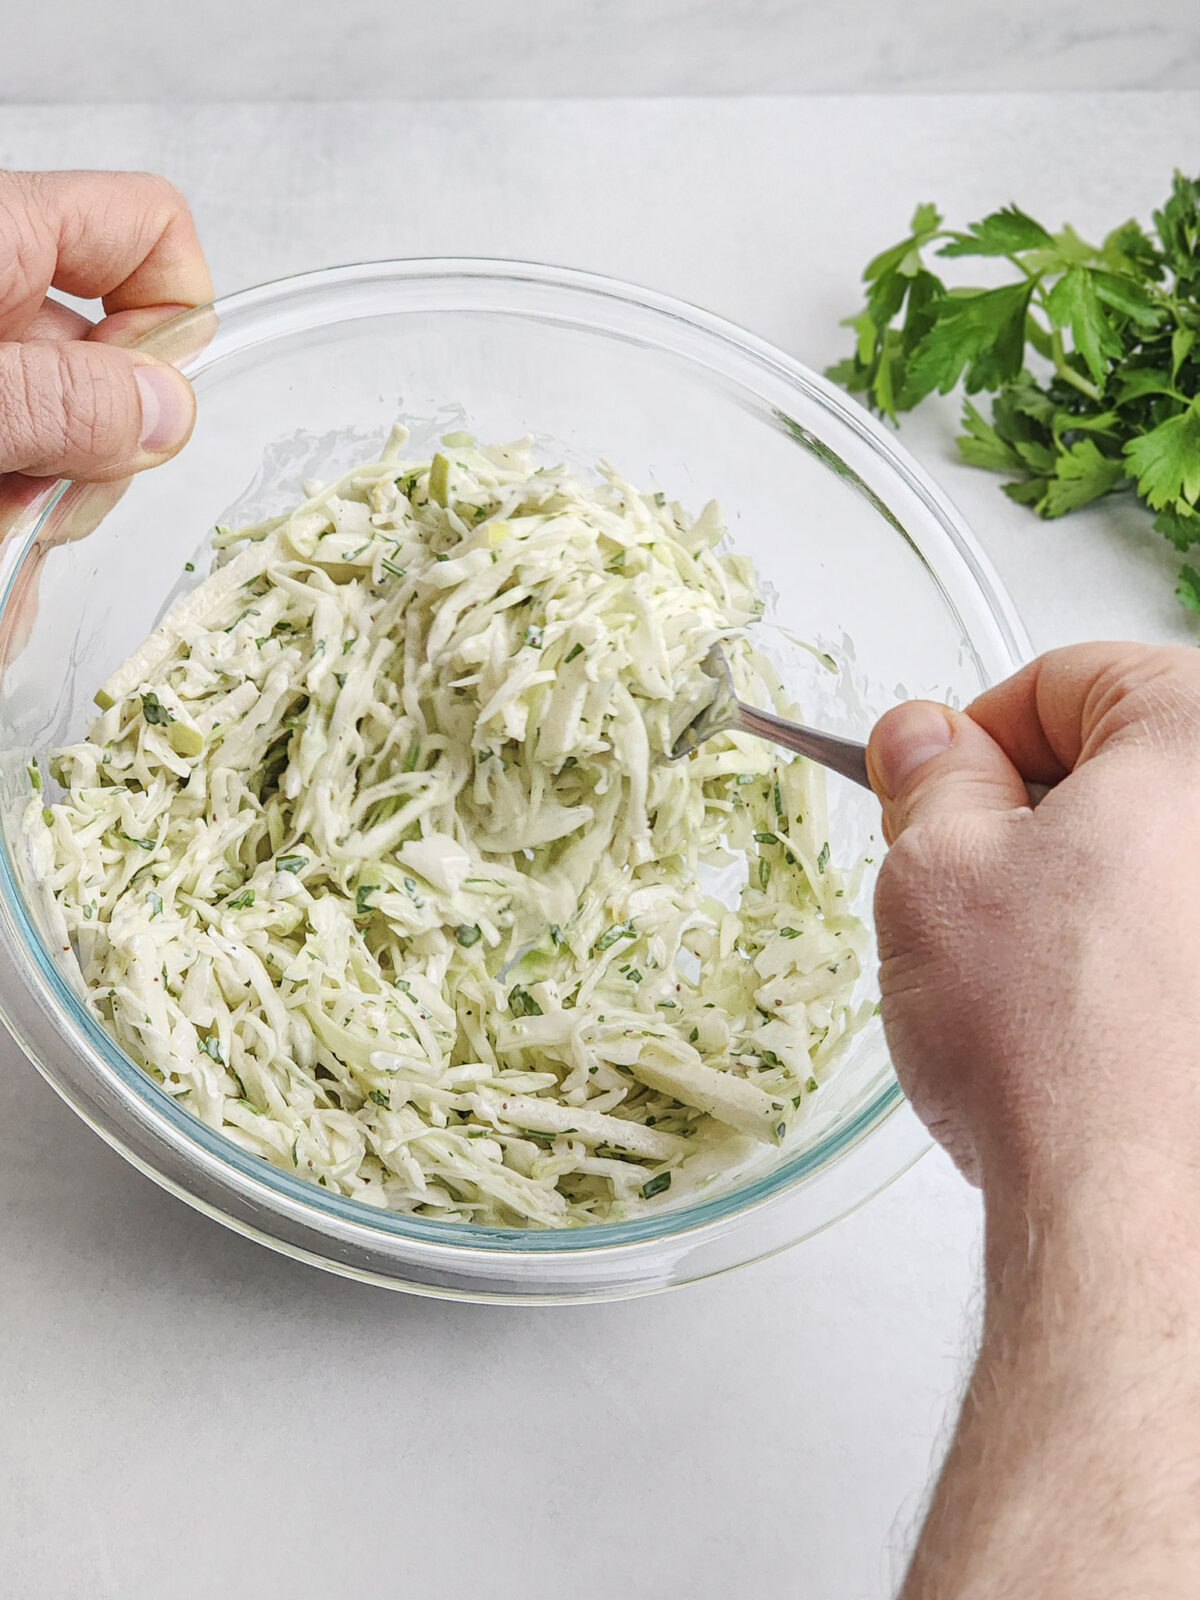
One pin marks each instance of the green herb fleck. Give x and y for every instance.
(658, 1184)
(467, 934)
(522, 1004)
(153, 709)
(291, 863)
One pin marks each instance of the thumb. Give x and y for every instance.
(925, 760)
(86, 410)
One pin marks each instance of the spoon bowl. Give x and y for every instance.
(725, 713)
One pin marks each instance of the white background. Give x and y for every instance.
(183, 1415)
(302, 49)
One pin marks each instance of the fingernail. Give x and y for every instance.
(167, 408)
(906, 739)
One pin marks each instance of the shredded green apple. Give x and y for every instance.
(373, 859)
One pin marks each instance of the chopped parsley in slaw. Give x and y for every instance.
(372, 859)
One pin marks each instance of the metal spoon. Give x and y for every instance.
(725, 712)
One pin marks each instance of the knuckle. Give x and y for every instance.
(26, 252)
(167, 192)
(89, 412)
(59, 407)
(163, 202)
(1155, 697)
(26, 424)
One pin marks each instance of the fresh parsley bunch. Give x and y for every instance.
(1110, 398)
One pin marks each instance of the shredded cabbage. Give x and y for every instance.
(373, 860)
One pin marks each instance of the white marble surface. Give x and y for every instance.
(183, 1415)
(304, 50)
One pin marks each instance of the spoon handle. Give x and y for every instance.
(840, 755)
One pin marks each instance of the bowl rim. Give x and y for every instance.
(27, 958)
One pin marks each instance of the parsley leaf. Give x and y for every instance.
(1081, 473)
(1074, 302)
(1166, 461)
(1002, 233)
(1188, 587)
(1182, 528)
(981, 330)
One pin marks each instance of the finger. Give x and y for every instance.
(125, 237)
(127, 327)
(1064, 707)
(925, 760)
(89, 411)
(21, 610)
(55, 321)
(177, 338)
(22, 500)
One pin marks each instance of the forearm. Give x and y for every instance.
(1074, 1473)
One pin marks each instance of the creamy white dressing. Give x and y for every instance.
(372, 858)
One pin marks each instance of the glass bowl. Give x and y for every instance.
(859, 554)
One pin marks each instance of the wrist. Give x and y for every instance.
(1071, 1469)
(1114, 1238)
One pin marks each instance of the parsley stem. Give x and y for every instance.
(1028, 271)
(1067, 372)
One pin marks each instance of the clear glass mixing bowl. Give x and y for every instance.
(859, 553)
